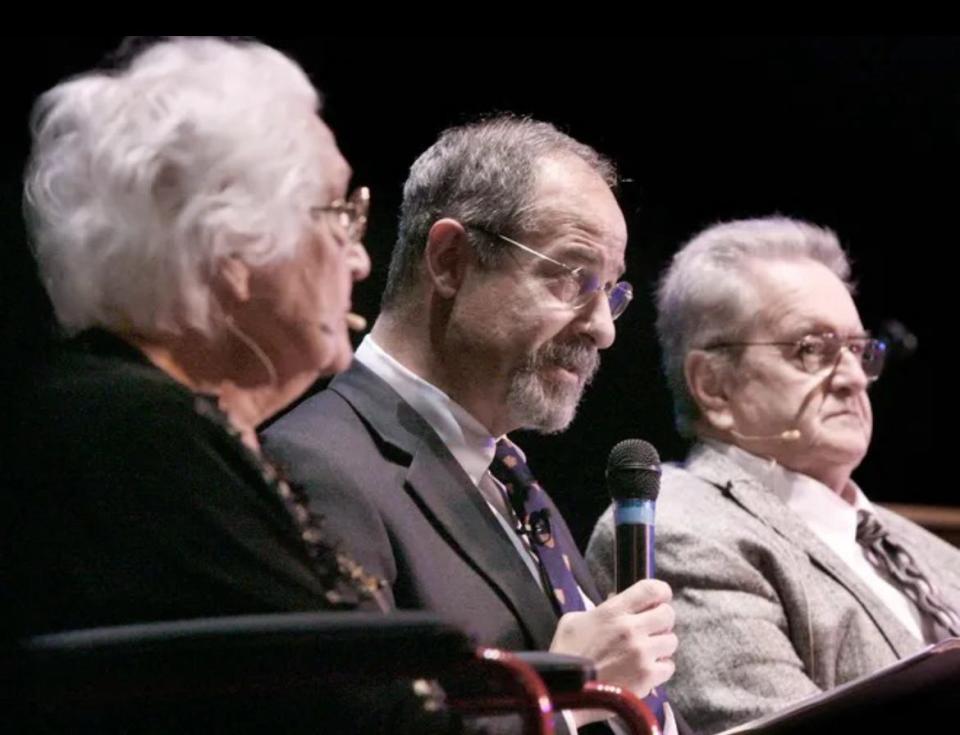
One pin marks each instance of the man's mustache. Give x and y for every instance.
(577, 357)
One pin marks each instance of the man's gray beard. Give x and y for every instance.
(546, 406)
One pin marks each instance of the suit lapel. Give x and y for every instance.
(449, 499)
(749, 493)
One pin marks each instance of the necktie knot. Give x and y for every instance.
(510, 468)
(869, 528)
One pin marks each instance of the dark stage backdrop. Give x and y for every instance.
(859, 134)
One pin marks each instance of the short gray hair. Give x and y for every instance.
(706, 295)
(141, 178)
(481, 174)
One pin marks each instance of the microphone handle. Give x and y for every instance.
(635, 559)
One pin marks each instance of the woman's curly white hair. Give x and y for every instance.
(142, 178)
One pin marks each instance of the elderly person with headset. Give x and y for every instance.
(190, 217)
(787, 580)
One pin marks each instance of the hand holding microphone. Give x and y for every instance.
(629, 636)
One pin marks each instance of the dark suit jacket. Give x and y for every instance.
(401, 505)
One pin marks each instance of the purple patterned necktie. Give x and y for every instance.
(890, 557)
(529, 501)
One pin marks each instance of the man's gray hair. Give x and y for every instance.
(483, 175)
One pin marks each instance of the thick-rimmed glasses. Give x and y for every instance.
(817, 353)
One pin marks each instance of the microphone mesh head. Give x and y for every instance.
(633, 470)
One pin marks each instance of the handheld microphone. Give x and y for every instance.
(633, 481)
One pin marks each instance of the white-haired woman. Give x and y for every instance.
(190, 216)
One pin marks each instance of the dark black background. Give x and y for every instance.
(859, 134)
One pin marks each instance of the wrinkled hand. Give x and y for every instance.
(629, 637)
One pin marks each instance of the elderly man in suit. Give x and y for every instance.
(503, 288)
(787, 580)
